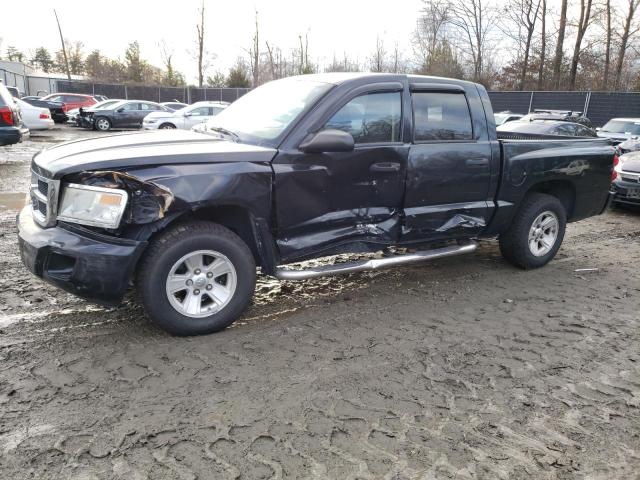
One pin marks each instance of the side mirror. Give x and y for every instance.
(187, 114)
(328, 141)
(597, 129)
(120, 110)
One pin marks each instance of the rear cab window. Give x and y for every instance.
(441, 116)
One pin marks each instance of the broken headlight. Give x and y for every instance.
(94, 206)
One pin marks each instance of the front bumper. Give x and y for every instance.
(87, 264)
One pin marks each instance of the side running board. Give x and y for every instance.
(374, 264)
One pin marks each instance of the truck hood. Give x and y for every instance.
(128, 150)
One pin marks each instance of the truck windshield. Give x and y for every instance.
(621, 126)
(263, 114)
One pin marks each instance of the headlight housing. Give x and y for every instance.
(94, 206)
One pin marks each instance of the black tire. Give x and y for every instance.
(514, 243)
(167, 126)
(102, 121)
(169, 248)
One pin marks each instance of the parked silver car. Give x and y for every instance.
(620, 129)
(183, 119)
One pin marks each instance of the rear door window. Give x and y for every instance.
(441, 117)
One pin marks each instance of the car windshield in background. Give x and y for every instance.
(263, 114)
(501, 118)
(621, 126)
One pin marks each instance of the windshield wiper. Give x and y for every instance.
(229, 133)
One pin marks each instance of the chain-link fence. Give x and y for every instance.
(152, 93)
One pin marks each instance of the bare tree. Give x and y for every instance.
(523, 14)
(64, 49)
(304, 66)
(476, 19)
(378, 59)
(200, 41)
(431, 29)
(557, 61)
(543, 43)
(254, 54)
(583, 23)
(628, 32)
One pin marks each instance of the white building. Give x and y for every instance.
(30, 81)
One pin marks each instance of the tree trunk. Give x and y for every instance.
(557, 62)
(633, 5)
(543, 45)
(256, 56)
(607, 53)
(200, 29)
(583, 24)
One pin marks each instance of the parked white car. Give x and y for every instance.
(35, 118)
(183, 119)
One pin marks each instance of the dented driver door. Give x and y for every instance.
(450, 165)
(326, 200)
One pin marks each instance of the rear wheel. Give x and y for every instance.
(103, 124)
(536, 233)
(197, 278)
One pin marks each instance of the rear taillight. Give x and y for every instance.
(6, 114)
(614, 172)
(44, 116)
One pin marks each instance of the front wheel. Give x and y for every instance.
(197, 278)
(103, 124)
(167, 126)
(536, 233)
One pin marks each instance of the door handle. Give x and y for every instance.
(477, 162)
(385, 167)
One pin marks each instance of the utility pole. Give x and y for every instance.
(64, 49)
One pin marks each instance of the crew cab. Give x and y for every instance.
(300, 168)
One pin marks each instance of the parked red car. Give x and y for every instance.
(71, 100)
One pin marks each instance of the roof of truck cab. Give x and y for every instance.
(338, 78)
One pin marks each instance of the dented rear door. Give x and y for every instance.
(449, 169)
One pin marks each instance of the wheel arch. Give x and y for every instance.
(254, 231)
(563, 190)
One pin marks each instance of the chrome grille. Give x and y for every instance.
(44, 199)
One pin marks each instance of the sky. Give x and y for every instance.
(333, 27)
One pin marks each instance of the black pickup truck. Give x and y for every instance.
(301, 168)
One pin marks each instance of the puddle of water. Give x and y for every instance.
(12, 201)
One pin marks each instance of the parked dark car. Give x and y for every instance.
(559, 115)
(626, 185)
(304, 167)
(57, 109)
(126, 114)
(548, 127)
(12, 130)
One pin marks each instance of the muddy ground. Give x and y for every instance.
(462, 368)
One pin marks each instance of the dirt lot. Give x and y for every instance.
(463, 368)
